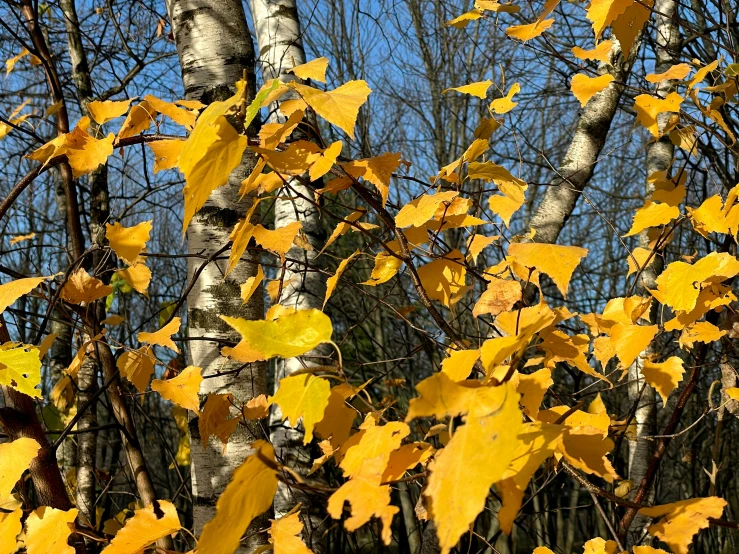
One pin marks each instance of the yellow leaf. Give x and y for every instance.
(648, 550)
(638, 259)
(504, 207)
(505, 104)
(679, 285)
(314, 69)
(652, 214)
(102, 111)
(500, 296)
(631, 340)
(332, 281)
(600, 546)
(367, 498)
(584, 87)
(21, 238)
(664, 376)
(15, 458)
(303, 396)
(250, 286)
(405, 459)
(46, 344)
(324, 164)
(166, 153)
(10, 528)
(211, 152)
(417, 212)
(532, 389)
(476, 457)
(182, 456)
(459, 364)
(702, 73)
(709, 217)
(649, 107)
(463, 20)
(138, 276)
(256, 408)
(280, 240)
(81, 287)
(630, 22)
(377, 442)
(214, 419)
(248, 494)
(163, 337)
(128, 242)
(386, 266)
(147, 526)
(339, 106)
(284, 533)
(186, 118)
(601, 53)
(512, 187)
(559, 262)
(48, 530)
(290, 335)
(20, 368)
(597, 406)
(137, 366)
(377, 170)
(183, 389)
(678, 72)
(476, 244)
(479, 89)
(444, 278)
(529, 32)
(336, 425)
(682, 520)
(703, 331)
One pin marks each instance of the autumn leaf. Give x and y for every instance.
(15, 458)
(459, 364)
(251, 285)
(417, 212)
(163, 337)
(652, 214)
(256, 408)
(339, 106)
(664, 376)
(186, 118)
(137, 366)
(147, 526)
(532, 389)
(138, 276)
(332, 281)
(166, 153)
(102, 111)
(463, 20)
(289, 335)
(386, 266)
(302, 396)
(559, 262)
(500, 296)
(680, 521)
(676, 72)
(600, 546)
(284, 535)
(138, 120)
(630, 340)
(505, 104)
(48, 530)
(20, 368)
(601, 53)
(649, 107)
(128, 242)
(584, 87)
(10, 528)
(81, 287)
(528, 32)
(478, 89)
(444, 279)
(314, 69)
(183, 389)
(248, 494)
(215, 419)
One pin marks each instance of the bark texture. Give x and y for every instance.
(280, 48)
(215, 48)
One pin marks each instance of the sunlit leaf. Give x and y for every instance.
(680, 521)
(302, 396)
(147, 526)
(183, 389)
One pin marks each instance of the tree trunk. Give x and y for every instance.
(215, 48)
(280, 48)
(659, 158)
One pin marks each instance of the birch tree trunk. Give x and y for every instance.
(280, 48)
(215, 48)
(659, 158)
(587, 143)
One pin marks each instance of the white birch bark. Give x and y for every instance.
(280, 48)
(215, 48)
(659, 157)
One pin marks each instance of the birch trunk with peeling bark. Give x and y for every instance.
(215, 49)
(280, 49)
(659, 158)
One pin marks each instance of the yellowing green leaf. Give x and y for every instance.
(183, 389)
(289, 335)
(147, 526)
(20, 368)
(248, 494)
(15, 458)
(559, 262)
(584, 87)
(479, 89)
(314, 69)
(128, 242)
(339, 106)
(682, 520)
(664, 376)
(302, 396)
(48, 530)
(163, 337)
